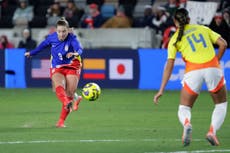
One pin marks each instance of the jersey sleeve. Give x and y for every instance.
(213, 35)
(172, 50)
(45, 43)
(76, 45)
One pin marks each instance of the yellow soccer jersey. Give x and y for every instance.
(196, 45)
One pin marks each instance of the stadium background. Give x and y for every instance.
(127, 58)
(115, 68)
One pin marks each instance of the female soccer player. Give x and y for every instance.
(65, 67)
(195, 42)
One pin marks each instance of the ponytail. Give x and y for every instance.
(181, 15)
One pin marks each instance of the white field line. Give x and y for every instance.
(196, 151)
(54, 141)
(88, 141)
(112, 140)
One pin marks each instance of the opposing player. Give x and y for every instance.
(65, 67)
(195, 43)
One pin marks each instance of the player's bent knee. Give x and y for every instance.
(219, 86)
(70, 93)
(220, 95)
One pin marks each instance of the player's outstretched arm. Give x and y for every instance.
(39, 48)
(166, 75)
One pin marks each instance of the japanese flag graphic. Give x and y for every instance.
(120, 69)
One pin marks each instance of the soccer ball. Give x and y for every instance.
(91, 91)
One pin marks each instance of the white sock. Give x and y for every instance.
(75, 96)
(184, 114)
(218, 116)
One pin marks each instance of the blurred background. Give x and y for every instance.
(124, 41)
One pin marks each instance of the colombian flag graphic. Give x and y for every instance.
(94, 68)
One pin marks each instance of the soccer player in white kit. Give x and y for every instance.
(195, 43)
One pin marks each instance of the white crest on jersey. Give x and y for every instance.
(66, 47)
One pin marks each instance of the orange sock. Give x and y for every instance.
(61, 95)
(63, 115)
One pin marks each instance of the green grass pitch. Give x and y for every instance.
(120, 121)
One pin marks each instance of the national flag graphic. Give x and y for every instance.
(120, 69)
(40, 68)
(94, 68)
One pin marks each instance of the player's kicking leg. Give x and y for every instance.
(58, 79)
(72, 82)
(77, 100)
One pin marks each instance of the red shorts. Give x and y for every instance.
(73, 69)
(65, 71)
